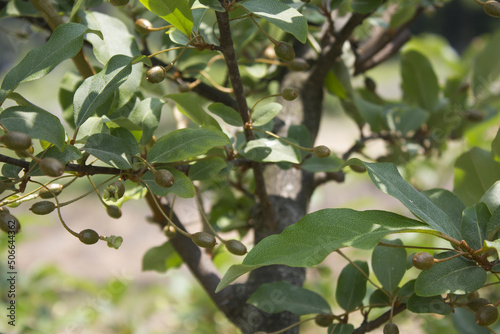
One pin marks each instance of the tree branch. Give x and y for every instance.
(371, 325)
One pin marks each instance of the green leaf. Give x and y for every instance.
(67, 89)
(372, 113)
(493, 225)
(339, 328)
(465, 322)
(474, 221)
(486, 68)
(406, 291)
(288, 297)
(404, 118)
(184, 144)
(448, 202)
(112, 150)
(329, 164)
(434, 304)
(279, 14)
(265, 113)
(379, 298)
(161, 258)
(97, 89)
(475, 173)
(65, 42)
(389, 264)
(213, 4)
(270, 150)
(458, 275)
(190, 105)
(365, 6)
(307, 242)
(387, 178)
(228, 114)
(420, 84)
(183, 187)
(35, 122)
(175, 12)
(492, 197)
(146, 114)
(206, 169)
(351, 285)
(492, 245)
(16, 8)
(495, 147)
(335, 87)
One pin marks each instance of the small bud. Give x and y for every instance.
(391, 328)
(423, 261)
(487, 315)
(114, 211)
(51, 167)
(492, 8)
(16, 141)
(321, 151)
(43, 207)
(203, 239)
(155, 74)
(169, 231)
(289, 94)
(164, 178)
(114, 191)
(142, 26)
(358, 168)
(184, 87)
(284, 51)
(88, 236)
(236, 247)
(8, 222)
(323, 320)
(50, 190)
(298, 64)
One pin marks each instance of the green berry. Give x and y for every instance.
(370, 84)
(184, 87)
(169, 231)
(143, 26)
(155, 74)
(473, 295)
(51, 167)
(114, 211)
(289, 94)
(298, 64)
(119, 2)
(9, 223)
(16, 141)
(423, 260)
(321, 151)
(88, 237)
(236, 247)
(492, 8)
(164, 178)
(391, 328)
(284, 51)
(43, 208)
(50, 190)
(203, 239)
(358, 168)
(476, 303)
(323, 320)
(487, 315)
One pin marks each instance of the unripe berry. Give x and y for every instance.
(16, 141)
(88, 237)
(323, 320)
(169, 231)
(119, 2)
(164, 178)
(203, 239)
(298, 64)
(391, 328)
(184, 87)
(284, 51)
(236, 247)
(321, 151)
(114, 211)
(289, 94)
(358, 168)
(50, 190)
(476, 303)
(155, 74)
(114, 190)
(8, 222)
(473, 295)
(143, 26)
(487, 315)
(423, 260)
(43, 207)
(51, 167)
(492, 8)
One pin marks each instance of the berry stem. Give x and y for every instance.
(261, 99)
(260, 28)
(204, 216)
(416, 247)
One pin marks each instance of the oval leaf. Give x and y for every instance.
(457, 275)
(228, 114)
(112, 150)
(183, 187)
(270, 150)
(309, 241)
(161, 258)
(184, 144)
(283, 296)
(351, 285)
(35, 122)
(434, 304)
(365, 6)
(389, 264)
(65, 42)
(264, 114)
(206, 169)
(97, 89)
